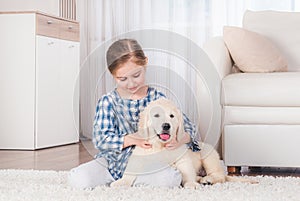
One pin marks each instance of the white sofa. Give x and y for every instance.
(261, 111)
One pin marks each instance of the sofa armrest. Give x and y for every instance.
(218, 53)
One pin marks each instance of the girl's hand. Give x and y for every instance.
(174, 144)
(136, 139)
(143, 143)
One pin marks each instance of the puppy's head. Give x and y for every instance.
(161, 121)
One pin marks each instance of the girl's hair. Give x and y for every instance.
(122, 51)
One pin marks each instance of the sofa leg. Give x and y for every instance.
(234, 170)
(255, 169)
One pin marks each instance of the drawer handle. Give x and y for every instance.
(71, 46)
(50, 43)
(70, 27)
(49, 22)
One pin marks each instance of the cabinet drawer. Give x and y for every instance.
(57, 28)
(69, 31)
(47, 26)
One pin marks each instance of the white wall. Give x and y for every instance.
(46, 6)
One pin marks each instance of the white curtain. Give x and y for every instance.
(103, 21)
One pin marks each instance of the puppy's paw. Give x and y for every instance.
(191, 185)
(209, 180)
(205, 181)
(120, 183)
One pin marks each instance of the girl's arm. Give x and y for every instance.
(105, 136)
(135, 139)
(190, 128)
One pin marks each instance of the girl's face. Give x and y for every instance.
(130, 78)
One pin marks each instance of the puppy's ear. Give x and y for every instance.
(180, 129)
(144, 123)
(147, 124)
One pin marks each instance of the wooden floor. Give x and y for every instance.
(56, 158)
(69, 156)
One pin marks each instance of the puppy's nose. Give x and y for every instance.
(166, 126)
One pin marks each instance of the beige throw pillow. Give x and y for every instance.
(252, 52)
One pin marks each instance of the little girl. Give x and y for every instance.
(115, 131)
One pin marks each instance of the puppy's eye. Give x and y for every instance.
(171, 115)
(156, 115)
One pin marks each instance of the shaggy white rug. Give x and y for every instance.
(50, 185)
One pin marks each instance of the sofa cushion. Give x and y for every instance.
(252, 52)
(261, 89)
(282, 28)
(261, 115)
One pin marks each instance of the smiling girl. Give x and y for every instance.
(115, 131)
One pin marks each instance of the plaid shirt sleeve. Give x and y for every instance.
(105, 136)
(190, 128)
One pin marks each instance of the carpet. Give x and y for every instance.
(51, 185)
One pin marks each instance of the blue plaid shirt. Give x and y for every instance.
(116, 117)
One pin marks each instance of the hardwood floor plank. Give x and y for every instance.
(55, 158)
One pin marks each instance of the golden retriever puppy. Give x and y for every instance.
(160, 123)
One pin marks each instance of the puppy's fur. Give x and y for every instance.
(160, 123)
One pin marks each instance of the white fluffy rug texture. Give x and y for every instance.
(51, 185)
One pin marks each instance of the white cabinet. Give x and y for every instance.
(39, 69)
(47, 6)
